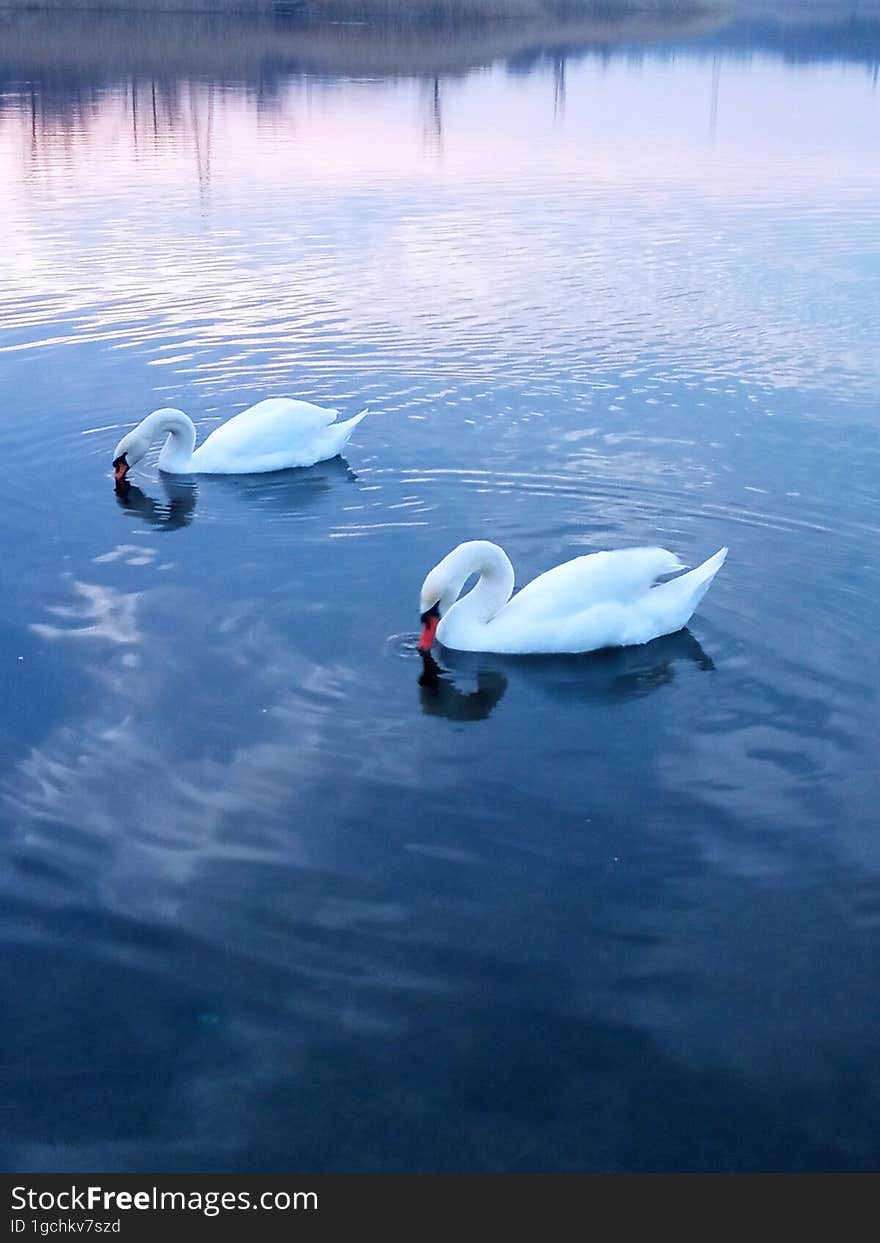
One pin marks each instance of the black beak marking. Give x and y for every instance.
(433, 611)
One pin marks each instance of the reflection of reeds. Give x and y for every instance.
(159, 114)
(111, 45)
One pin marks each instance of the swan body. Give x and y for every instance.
(605, 599)
(275, 434)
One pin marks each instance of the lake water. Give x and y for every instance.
(270, 900)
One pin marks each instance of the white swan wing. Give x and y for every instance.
(272, 435)
(270, 426)
(620, 614)
(600, 578)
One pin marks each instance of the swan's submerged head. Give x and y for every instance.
(170, 423)
(444, 584)
(430, 620)
(436, 596)
(128, 453)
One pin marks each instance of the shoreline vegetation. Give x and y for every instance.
(376, 11)
(124, 39)
(253, 39)
(438, 12)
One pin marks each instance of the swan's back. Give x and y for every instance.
(272, 435)
(601, 600)
(617, 577)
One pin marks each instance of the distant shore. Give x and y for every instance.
(252, 45)
(100, 40)
(420, 12)
(397, 11)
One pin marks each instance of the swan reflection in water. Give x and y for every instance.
(441, 697)
(612, 675)
(174, 512)
(618, 674)
(284, 493)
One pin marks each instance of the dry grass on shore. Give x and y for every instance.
(113, 44)
(397, 11)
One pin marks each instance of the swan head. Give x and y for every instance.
(439, 592)
(433, 603)
(168, 421)
(128, 453)
(445, 582)
(430, 620)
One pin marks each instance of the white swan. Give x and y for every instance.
(272, 435)
(606, 599)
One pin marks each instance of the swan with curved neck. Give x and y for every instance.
(275, 434)
(605, 599)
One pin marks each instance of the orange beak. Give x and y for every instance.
(430, 622)
(120, 468)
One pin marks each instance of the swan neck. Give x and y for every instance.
(180, 433)
(494, 586)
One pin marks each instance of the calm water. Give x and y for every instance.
(268, 901)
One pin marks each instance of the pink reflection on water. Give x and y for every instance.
(695, 119)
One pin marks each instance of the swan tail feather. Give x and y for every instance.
(682, 595)
(348, 425)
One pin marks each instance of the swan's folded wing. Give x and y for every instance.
(269, 427)
(600, 577)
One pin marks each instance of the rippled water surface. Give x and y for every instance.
(272, 898)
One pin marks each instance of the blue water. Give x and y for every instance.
(272, 899)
